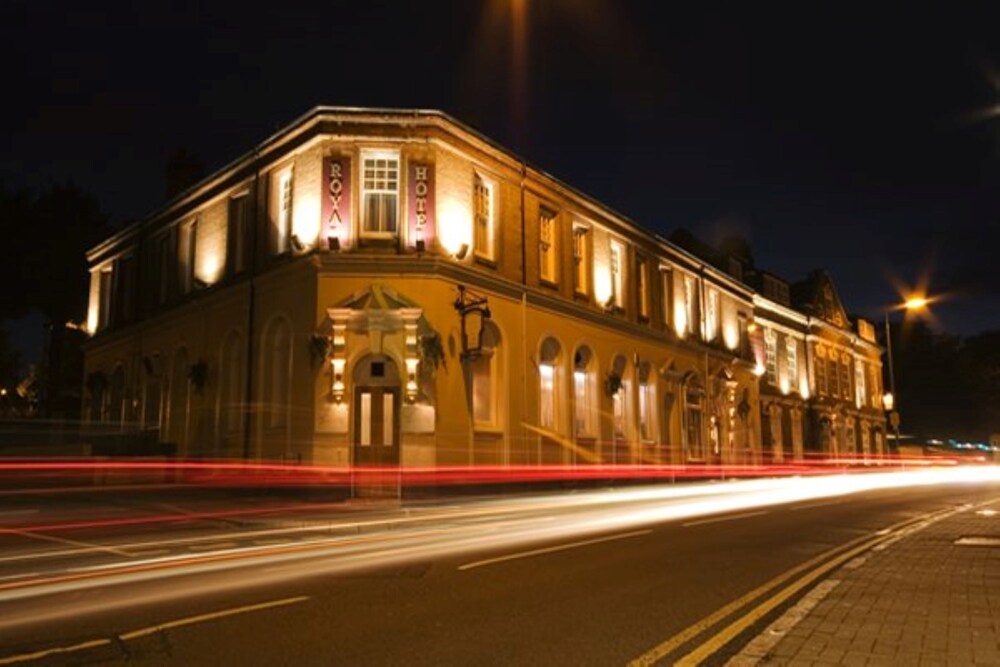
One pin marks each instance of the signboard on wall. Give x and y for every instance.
(420, 203)
(336, 209)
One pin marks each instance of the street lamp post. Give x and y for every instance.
(890, 400)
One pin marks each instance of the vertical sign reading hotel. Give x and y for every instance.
(420, 203)
(336, 208)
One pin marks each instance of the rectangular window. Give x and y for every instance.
(692, 430)
(771, 360)
(239, 234)
(283, 211)
(547, 235)
(833, 374)
(366, 419)
(104, 294)
(667, 281)
(845, 377)
(875, 392)
(859, 384)
(690, 302)
(380, 193)
(617, 258)
(642, 286)
(820, 370)
(711, 314)
(187, 255)
(547, 397)
(791, 349)
(581, 259)
(482, 215)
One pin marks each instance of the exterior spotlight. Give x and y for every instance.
(462, 252)
(199, 283)
(297, 243)
(333, 243)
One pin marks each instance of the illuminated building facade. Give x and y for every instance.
(390, 287)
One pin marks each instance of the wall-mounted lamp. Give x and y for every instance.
(333, 243)
(462, 252)
(469, 305)
(337, 386)
(199, 283)
(297, 243)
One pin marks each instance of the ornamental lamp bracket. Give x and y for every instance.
(474, 313)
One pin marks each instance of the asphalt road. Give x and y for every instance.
(436, 585)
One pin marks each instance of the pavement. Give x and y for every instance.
(930, 598)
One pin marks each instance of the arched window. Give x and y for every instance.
(277, 351)
(231, 384)
(694, 396)
(648, 421)
(549, 359)
(484, 369)
(621, 399)
(585, 409)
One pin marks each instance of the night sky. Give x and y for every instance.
(845, 137)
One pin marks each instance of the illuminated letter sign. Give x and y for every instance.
(337, 198)
(421, 203)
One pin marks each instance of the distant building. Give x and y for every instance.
(304, 303)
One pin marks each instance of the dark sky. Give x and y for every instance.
(843, 137)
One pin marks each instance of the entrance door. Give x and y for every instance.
(377, 398)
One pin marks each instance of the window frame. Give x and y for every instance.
(376, 154)
(548, 251)
(617, 276)
(642, 287)
(489, 185)
(583, 258)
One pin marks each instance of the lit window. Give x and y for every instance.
(771, 361)
(859, 384)
(482, 214)
(380, 193)
(617, 274)
(647, 404)
(547, 234)
(667, 280)
(690, 302)
(581, 259)
(187, 255)
(547, 383)
(711, 314)
(622, 399)
(792, 351)
(584, 393)
(845, 376)
(642, 284)
(283, 211)
(820, 370)
(483, 369)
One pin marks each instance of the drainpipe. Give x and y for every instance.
(254, 233)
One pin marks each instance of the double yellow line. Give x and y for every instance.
(780, 591)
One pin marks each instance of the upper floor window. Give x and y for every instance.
(690, 302)
(188, 246)
(104, 298)
(845, 376)
(239, 233)
(642, 286)
(711, 314)
(792, 352)
(667, 285)
(581, 259)
(380, 193)
(859, 384)
(617, 257)
(771, 350)
(282, 213)
(482, 216)
(820, 370)
(547, 234)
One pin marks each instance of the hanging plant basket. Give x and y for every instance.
(198, 374)
(319, 349)
(612, 383)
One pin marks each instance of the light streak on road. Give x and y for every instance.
(495, 527)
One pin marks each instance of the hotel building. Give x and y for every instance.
(375, 286)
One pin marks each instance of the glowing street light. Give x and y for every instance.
(913, 304)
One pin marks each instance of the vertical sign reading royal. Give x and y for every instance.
(420, 204)
(337, 201)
